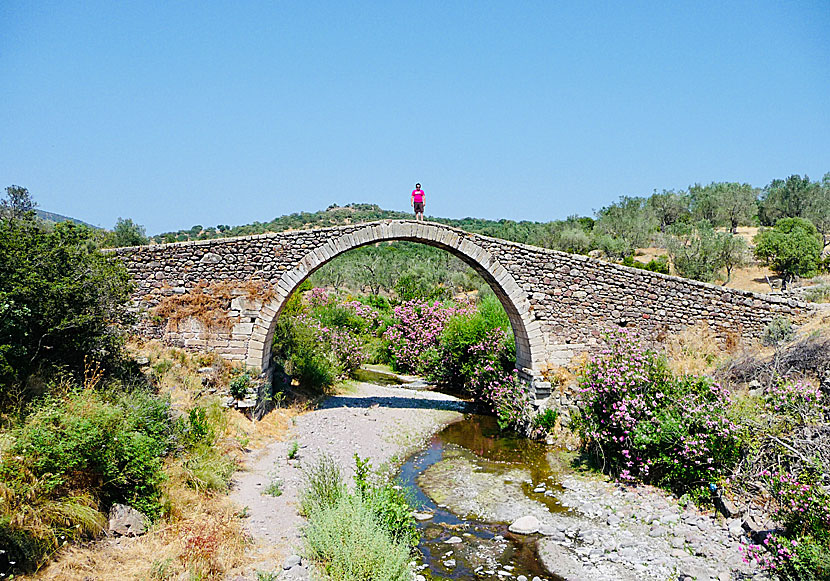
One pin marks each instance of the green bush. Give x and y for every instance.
(366, 535)
(324, 485)
(61, 302)
(546, 420)
(792, 248)
(296, 350)
(205, 466)
(347, 542)
(72, 458)
(778, 331)
(642, 423)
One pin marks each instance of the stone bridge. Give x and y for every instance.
(558, 303)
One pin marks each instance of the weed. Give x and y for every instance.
(324, 485)
(266, 576)
(293, 450)
(778, 331)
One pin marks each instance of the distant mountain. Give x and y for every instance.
(55, 218)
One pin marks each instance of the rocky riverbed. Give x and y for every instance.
(493, 507)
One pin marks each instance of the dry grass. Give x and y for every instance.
(202, 539)
(201, 535)
(696, 351)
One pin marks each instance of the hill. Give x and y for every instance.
(55, 218)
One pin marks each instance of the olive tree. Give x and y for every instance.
(792, 248)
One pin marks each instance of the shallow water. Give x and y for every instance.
(486, 548)
(375, 377)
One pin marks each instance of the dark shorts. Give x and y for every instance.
(419, 207)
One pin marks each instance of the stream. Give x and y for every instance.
(472, 543)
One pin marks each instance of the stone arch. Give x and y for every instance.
(526, 329)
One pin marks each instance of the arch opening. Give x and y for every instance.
(526, 330)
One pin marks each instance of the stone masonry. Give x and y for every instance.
(559, 304)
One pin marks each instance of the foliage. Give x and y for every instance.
(778, 331)
(659, 264)
(546, 420)
(17, 205)
(293, 449)
(792, 248)
(727, 204)
(60, 299)
(802, 550)
(71, 459)
(126, 233)
(790, 198)
(642, 423)
(205, 466)
(365, 535)
(701, 253)
(239, 385)
(347, 542)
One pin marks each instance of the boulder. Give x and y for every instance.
(560, 561)
(125, 521)
(527, 525)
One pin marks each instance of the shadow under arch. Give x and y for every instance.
(526, 329)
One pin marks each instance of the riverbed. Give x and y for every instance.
(471, 483)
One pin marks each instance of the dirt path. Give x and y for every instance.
(385, 424)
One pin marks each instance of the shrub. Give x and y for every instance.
(62, 311)
(366, 535)
(546, 420)
(348, 542)
(206, 466)
(239, 385)
(792, 248)
(644, 424)
(71, 459)
(324, 485)
(779, 330)
(802, 551)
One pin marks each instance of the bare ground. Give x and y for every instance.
(384, 424)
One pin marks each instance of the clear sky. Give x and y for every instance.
(183, 113)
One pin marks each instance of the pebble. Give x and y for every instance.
(453, 540)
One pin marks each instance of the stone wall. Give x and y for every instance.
(558, 303)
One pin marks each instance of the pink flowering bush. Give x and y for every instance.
(802, 550)
(642, 423)
(796, 400)
(418, 328)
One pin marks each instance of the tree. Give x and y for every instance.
(792, 248)
(17, 203)
(727, 204)
(699, 252)
(574, 240)
(818, 211)
(128, 233)
(692, 249)
(630, 221)
(731, 252)
(61, 301)
(669, 207)
(790, 198)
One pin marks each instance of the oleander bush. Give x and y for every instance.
(640, 422)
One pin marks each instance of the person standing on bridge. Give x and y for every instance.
(418, 201)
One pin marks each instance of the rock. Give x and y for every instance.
(126, 521)
(657, 531)
(527, 525)
(453, 540)
(558, 560)
(292, 561)
(449, 563)
(421, 516)
(728, 508)
(142, 361)
(613, 520)
(203, 370)
(521, 578)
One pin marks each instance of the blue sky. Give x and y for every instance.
(176, 114)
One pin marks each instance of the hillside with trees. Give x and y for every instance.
(705, 232)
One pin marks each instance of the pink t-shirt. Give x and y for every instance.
(418, 196)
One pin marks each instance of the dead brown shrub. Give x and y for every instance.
(209, 303)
